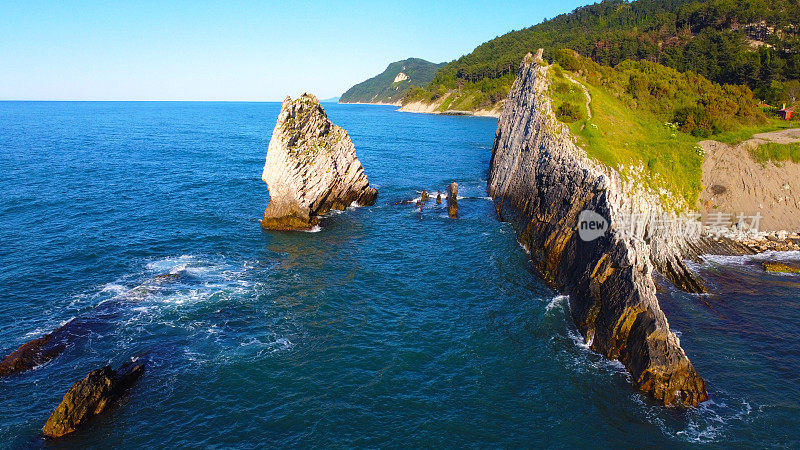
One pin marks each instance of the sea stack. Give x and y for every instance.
(452, 200)
(543, 183)
(311, 168)
(90, 397)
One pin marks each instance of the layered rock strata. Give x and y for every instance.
(541, 181)
(311, 168)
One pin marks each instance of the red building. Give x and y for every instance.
(785, 113)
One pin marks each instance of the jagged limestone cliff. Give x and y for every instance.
(311, 168)
(541, 181)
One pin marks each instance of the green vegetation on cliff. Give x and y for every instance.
(646, 115)
(772, 151)
(754, 43)
(392, 83)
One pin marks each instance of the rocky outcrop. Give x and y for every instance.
(90, 397)
(311, 168)
(541, 181)
(452, 200)
(35, 352)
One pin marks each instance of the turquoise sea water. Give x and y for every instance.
(386, 328)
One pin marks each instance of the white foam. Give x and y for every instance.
(556, 302)
(114, 288)
(314, 229)
(771, 255)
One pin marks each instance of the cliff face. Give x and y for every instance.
(311, 168)
(541, 181)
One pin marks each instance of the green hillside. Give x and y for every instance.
(643, 114)
(752, 42)
(391, 85)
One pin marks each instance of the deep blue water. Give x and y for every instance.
(389, 327)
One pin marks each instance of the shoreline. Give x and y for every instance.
(432, 108)
(424, 108)
(365, 103)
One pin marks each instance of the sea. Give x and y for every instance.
(387, 326)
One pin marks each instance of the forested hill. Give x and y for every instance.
(389, 86)
(750, 42)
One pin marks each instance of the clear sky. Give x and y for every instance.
(252, 51)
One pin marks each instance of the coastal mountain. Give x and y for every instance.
(392, 83)
(756, 43)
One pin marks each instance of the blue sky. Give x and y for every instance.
(251, 51)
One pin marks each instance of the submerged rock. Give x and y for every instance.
(543, 183)
(311, 168)
(35, 352)
(438, 198)
(48, 347)
(90, 397)
(452, 200)
(781, 267)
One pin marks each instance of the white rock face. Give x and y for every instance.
(400, 77)
(311, 168)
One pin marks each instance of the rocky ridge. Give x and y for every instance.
(541, 181)
(311, 168)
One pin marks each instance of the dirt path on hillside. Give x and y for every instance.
(736, 183)
(586, 93)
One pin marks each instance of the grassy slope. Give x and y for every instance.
(744, 133)
(383, 88)
(776, 152)
(635, 111)
(618, 135)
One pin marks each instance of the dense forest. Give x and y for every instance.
(751, 42)
(388, 87)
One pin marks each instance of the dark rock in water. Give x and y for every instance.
(546, 186)
(781, 267)
(90, 397)
(167, 276)
(424, 196)
(51, 345)
(35, 352)
(438, 198)
(311, 168)
(452, 200)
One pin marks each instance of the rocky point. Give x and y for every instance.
(541, 182)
